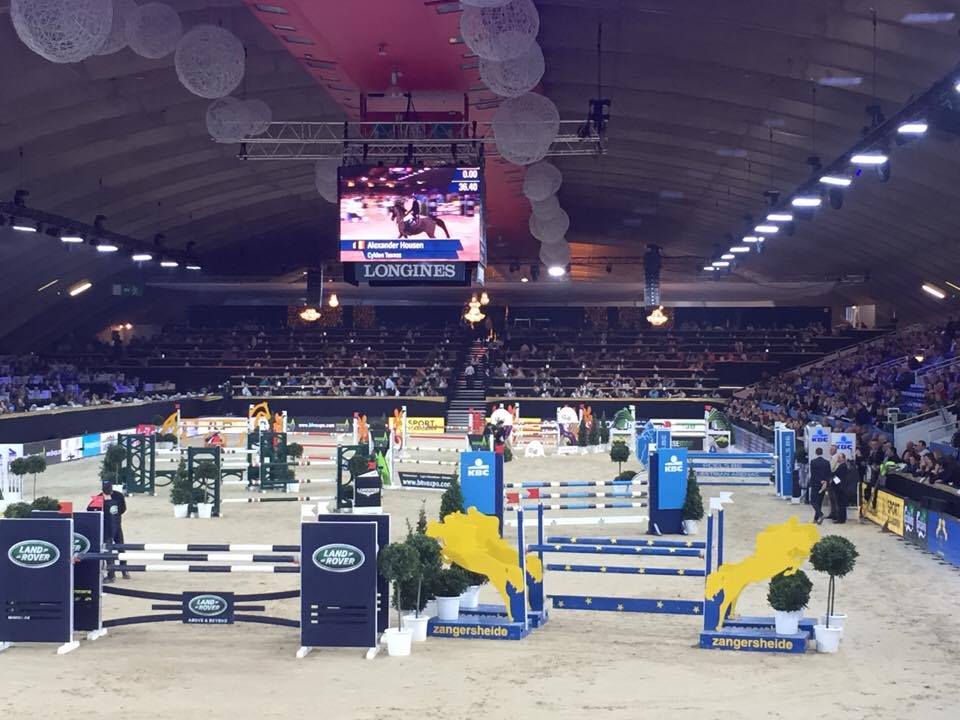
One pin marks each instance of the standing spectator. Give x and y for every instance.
(113, 505)
(820, 476)
(839, 482)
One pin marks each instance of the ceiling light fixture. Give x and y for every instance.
(334, 301)
(752, 239)
(720, 263)
(840, 81)
(80, 287)
(658, 317)
(556, 271)
(916, 127)
(54, 282)
(106, 247)
(169, 263)
(836, 180)
(73, 239)
(524, 279)
(739, 249)
(927, 18)
(933, 290)
(23, 225)
(727, 256)
(806, 201)
(869, 158)
(711, 268)
(767, 229)
(484, 298)
(309, 314)
(780, 217)
(193, 267)
(141, 257)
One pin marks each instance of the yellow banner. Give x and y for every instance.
(425, 425)
(887, 511)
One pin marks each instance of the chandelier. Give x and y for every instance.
(657, 317)
(309, 314)
(473, 314)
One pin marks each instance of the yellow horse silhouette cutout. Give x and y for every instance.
(473, 541)
(779, 548)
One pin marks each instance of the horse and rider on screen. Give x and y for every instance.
(416, 223)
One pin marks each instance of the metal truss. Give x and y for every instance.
(395, 141)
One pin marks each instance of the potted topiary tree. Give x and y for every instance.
(619, 453)
(582, 435)
(46, 503)
(604, 430)
(111, 464)
(398, 563)
(788, 595)
(836, 556)
(181, 492)
(692, 506)
(414, 592)
(593, 435)
(294, 451)
(449, 586)
(206, 473)
(36, 464)
(452, 499)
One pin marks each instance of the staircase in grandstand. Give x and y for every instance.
(470, 390)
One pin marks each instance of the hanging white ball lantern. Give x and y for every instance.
(260, 116)
(502, 32)
(525, 127)
(210, 61)
(541, 180)
(546, 209)
(62, 31)
(228, 120)
(549, 229)
(117, 39)
(154, 30)
(325, 178)
(555, 254)
(510, 78)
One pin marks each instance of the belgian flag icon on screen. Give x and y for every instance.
(359, 244)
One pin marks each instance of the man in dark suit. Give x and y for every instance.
(820, 476)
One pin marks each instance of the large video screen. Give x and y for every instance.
(405, 213)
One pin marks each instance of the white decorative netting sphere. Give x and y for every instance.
(154, 30)
(541, 180)
(228, 120)
(502, 32)
(525, 127)
(117, 39)
(260, 116)
(546, 209)
(558, 254)
(62, 31)
(325, 178)
(210, 61)
(549, 229)
(510, 78)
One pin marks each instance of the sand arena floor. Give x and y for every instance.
(898, 658)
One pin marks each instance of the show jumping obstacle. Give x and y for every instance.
(51, 582)
(602, 493)
(733, 469)
(402, 452)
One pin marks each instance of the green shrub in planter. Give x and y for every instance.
(17, 510)
(836, 556)
(619, 453)
(789, 593)
(167, 437)
(604, 429)
(593, 436)
(452, 499)
(415, 592)
(398, 563)
(110, 466)
(582, 436)
(46, 503)
(693, 502)
(294, 451)
(450, 582)
(472, 577)
(627, 475)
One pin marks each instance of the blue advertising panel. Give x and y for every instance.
(672, 472)
(943, 537)
(338, 599)
(87, 583)
(36, 585)
(478, 472)
(647, 437)
(91, 445)
(663, 438)
(785, 442)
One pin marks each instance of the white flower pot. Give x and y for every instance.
(430, 609)
(417, 626)
(836, 621)
(204, 510)
(470, 598)
(787, 623)
(448, 608)
(828, 638)
(398, 641)
(691, 527)
(181, 511)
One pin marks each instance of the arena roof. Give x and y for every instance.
(711, 105)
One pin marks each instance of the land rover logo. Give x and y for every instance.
(33, 554)
(338, 557)
(207, 605)
(81, 544)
